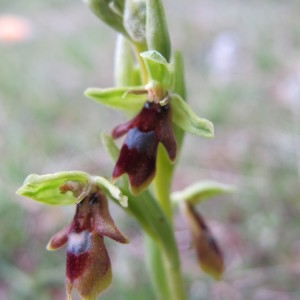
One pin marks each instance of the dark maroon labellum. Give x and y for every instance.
(137, 157)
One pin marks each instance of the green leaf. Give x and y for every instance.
(65, 188)
(187, 120)
(201, 191)
(123, 98)
(159, 69)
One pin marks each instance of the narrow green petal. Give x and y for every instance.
(187, 120)
(200, 191)
(123, 98)
(46, 188)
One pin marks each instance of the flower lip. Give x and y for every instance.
(137, 158)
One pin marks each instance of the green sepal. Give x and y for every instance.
(187, 120)
(200, 191)
(159, 69)
(51, 188)
(123, 98)
(110, 12)
(157, 35)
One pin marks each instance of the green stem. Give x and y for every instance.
(162, 261)
(156, 269)
(162, 186)
(175, 281)
(166, 277)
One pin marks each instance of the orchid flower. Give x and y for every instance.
(88, 267)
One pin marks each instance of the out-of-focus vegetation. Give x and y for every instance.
(243, 73)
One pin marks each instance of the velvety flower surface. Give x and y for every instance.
(209, 254)
(88, 266)
(137, 158)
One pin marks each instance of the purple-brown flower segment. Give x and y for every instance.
(88, 266)
(138, 154)
(209, 254)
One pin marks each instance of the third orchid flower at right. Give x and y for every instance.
(209, 254)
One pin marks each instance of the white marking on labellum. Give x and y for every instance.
(79, 242)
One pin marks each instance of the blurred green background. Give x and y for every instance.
(242, 62)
